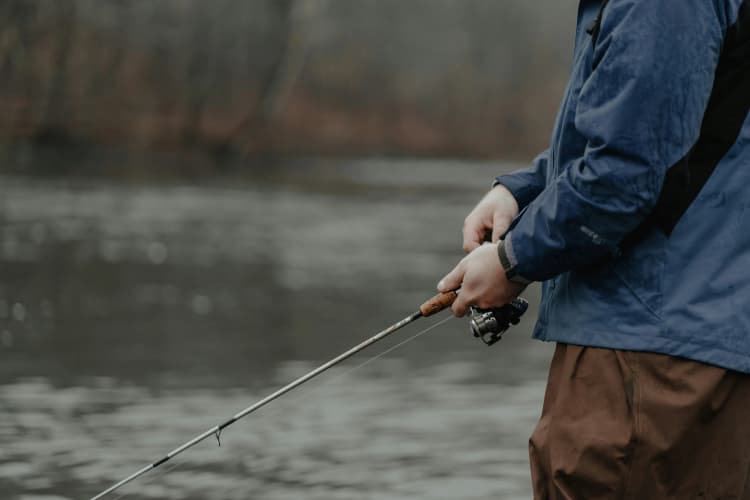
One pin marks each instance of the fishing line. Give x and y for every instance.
(349, 371)
(486, 324)
(431, 307)
(386, 352)
(325, 383)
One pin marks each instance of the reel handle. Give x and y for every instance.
(438, 303)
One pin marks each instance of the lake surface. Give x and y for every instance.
(135, 316)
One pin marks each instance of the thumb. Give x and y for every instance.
(473, 231)
(453, 279)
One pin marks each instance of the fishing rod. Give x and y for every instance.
(486, 324)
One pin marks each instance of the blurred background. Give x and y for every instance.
(200, 201)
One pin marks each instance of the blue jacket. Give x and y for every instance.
(637, 218)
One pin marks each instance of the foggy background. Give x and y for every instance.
(201, 200)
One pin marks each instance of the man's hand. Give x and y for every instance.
(482, 281)
(494, 213)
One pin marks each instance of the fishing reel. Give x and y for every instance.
(490, 324)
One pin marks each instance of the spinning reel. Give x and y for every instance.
(490, 324)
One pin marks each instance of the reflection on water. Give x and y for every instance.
(133, 318)
(392, 433)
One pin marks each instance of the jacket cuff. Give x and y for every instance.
(509, 262)
(519, 188)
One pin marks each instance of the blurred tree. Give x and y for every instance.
(427, 77)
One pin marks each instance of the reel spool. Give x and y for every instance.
(490, 324)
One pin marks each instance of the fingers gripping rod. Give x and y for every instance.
(432, 306)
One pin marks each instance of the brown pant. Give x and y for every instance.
(634, 425)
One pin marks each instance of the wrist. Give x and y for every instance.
(506, 198)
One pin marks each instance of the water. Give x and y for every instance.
(133, 317)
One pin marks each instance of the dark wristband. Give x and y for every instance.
(510, 270)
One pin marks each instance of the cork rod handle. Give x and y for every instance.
(438, 303)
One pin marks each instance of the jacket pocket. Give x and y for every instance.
(641, 270)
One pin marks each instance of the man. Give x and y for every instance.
(636, 221)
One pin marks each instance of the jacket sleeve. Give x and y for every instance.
(526, 184)
(640, 111)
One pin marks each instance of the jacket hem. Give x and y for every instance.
(695, 351)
